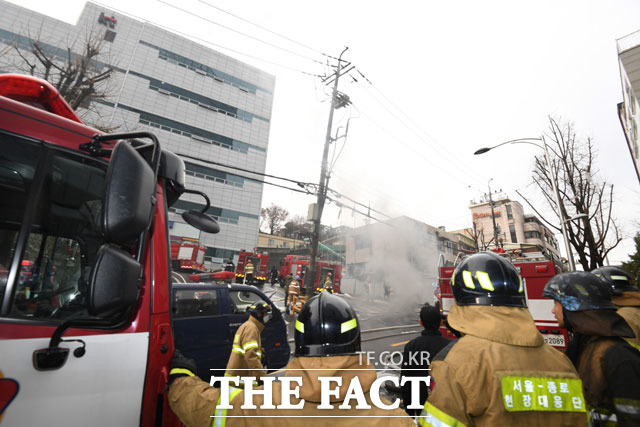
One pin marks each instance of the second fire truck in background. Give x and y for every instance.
(535, 273)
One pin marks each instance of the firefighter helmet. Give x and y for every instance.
(327, 326)
(618, 280)
(487, 279)
(259, 308)
(578, 291)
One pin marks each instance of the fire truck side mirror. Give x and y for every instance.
(129, 196)
(115, 282)
(201, 221)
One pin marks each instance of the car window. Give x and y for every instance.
(195, 303)
(241, 300)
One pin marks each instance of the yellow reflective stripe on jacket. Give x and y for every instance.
(249, 345)
(220, 416)
(632, 344)
(434, 417)
(259, 353)
(300, 326)
(175, 371)
(237, 349)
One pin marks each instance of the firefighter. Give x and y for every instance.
(501, 372)
(327, 340)
(246, 352)
(608, 365)
(230, 266)
(248, 272)
(328, 284)
(293, 290)
(626, 296)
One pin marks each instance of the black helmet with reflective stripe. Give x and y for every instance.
(579, 291)
(487, 279)
(259, 308)
(327, 326)
(618, 280)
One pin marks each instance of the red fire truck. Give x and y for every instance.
(299, 265)
(187, 256)
(260, 263)
(90, 345)
(535, 273)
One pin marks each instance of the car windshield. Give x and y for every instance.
(50, 208)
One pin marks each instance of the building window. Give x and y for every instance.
(532, 235)
(512, 230)
(110, 36)
(509, 212)
(362, 241)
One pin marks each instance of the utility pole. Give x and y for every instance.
(493, 216)
(322, 188)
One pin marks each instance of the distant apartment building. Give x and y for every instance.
(201, 104)
(628, 109)
(513, 228)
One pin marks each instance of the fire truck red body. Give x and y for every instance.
(187, 256)
(535, 273)
(260, 263)
(85, 325)
(299, 265)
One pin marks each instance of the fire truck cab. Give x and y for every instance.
(260, 262)
(85, 308)
(299, 265)
(535, 273)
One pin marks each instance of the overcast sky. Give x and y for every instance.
(444, 79)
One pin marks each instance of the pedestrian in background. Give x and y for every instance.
(608, 366)
(419, 352)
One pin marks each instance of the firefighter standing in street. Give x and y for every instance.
(608, 365)
(328, 283)
(501, 372)
(230, 266)
(327, 340)
(293, 290)
(248, 272)
(246, 353)
(625, 296)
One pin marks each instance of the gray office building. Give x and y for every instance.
(203, 105)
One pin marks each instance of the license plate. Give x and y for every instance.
(555, 340)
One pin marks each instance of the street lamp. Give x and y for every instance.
(554, 177)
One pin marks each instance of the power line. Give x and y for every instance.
(240, 32)
(191, 36)
(436, 145)
(299, 183)
(266, 29)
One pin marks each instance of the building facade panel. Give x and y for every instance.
(200, 103)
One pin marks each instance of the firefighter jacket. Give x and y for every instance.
(629, 303)
(328, 285)
(248, 269)
(246, 351)
(194, 401)
(501, 373)
(608, 366)
(294, 287)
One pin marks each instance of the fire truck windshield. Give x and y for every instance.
(50, 206)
